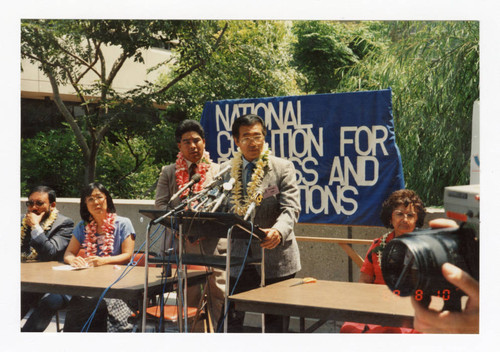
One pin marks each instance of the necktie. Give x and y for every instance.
(248, 176)
(192, 170)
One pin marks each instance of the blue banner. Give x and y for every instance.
(343, 147)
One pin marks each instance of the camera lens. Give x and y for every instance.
(413, 261)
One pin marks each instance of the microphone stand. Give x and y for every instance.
(182, 284)
(180, 271)
(248, 214)
(146, 278)
(228, 275)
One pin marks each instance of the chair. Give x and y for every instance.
(194, 314)
(141, 259)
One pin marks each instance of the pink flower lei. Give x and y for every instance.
(90, 243)
(182, 172)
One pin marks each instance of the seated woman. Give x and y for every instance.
(403, 211)
(107, 239)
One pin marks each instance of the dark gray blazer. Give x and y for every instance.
(52, 244)
(280, 211)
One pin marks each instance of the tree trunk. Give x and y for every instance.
(91, 164)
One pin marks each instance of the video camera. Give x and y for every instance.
(411, 263)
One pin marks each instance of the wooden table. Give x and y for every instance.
(331, 300)
(40, 277)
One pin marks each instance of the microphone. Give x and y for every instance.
(211, 190)
(251, 207)
(218, 178)
(194, 179)
(227, 186)
(160, 218)
(208, 196)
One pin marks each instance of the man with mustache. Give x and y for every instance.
(45, 234)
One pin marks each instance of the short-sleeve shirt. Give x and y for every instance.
(123, 229)
(371, 264)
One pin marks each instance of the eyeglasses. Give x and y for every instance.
(99, 199)
(400, 214)
(255, 139)
(31, 203)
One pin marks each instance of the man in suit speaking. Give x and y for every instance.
(270, 183)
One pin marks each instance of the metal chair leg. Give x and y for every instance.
(58, 327)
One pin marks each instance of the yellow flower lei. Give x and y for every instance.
(45, 225)
(240, 202)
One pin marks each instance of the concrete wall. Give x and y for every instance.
(323, 261)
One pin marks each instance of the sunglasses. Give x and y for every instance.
(31, 203)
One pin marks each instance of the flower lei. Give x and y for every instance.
(45, 225)
(90, 242)
(380, 248)
(241, 203)
(182, 172)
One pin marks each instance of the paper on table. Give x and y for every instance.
(68, 268)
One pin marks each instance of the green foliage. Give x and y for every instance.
(127, 167)
(325, 50)
(433, 70)
(52, 158)
(162, 140)
(253, 60)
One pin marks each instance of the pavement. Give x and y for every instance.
(252, 324)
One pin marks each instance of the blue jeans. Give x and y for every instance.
(42, 314)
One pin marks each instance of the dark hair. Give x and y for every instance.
(188, 126)
(402, 197)
(247, 120)
(45, 189)
(86, 192)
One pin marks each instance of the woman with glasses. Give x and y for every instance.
(106, 238)
(402, 212)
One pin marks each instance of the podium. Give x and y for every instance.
(211, 224)
(203, 224)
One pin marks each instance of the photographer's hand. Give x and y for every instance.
(442, 223)
(465, 322)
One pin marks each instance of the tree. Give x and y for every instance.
(433, 70)
(69, 50)
(325, 50)
(54, 156)
(253, 60)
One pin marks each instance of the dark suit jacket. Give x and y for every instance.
(52, 244)
(280, 211)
